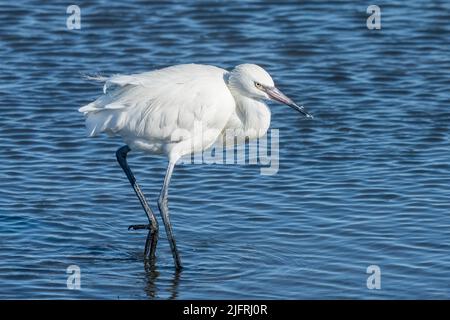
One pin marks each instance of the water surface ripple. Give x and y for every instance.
(366, 182)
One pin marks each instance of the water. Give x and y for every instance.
(366, 182)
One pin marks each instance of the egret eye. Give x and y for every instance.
(258, 85)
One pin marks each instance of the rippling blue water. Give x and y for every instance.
(366, 182)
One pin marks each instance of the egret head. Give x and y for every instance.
(253, 81)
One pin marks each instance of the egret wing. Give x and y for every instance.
(157, 104)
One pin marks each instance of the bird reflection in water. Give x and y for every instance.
(152, 275)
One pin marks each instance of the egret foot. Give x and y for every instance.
(150, 245)
(139, 227)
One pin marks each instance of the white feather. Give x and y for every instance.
(180, 109)
(151, 109)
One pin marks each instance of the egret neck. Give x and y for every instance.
(251, 118)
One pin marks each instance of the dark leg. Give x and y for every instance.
(152, 238)
(164, 209)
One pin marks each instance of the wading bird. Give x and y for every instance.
(157, 112)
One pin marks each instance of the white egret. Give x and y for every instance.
(157, 111)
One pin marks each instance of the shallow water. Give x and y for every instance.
(366, 182)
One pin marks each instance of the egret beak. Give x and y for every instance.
(279, 96)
